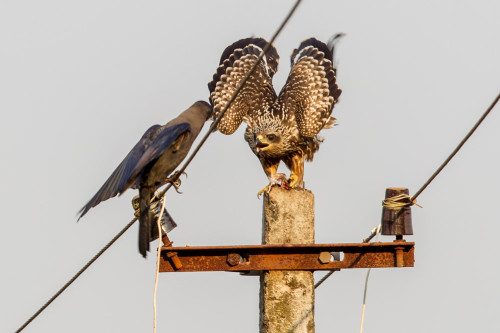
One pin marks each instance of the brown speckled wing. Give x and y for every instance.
(311, 90)
(256, 95)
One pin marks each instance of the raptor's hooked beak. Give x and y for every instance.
(259, 144)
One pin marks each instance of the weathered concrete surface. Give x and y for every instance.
(287, 297)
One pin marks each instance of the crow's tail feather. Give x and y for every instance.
(145, 217)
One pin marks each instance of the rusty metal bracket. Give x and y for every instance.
(311, 257)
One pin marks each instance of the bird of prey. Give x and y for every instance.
(150, 163)
(280, 127)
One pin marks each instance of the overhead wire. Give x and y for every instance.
(205, 137)
(233, 97)
(412, 200)
(408, 202)
(83, 269)
(455, 151)
(177, 175)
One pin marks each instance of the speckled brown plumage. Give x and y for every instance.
(281, 127)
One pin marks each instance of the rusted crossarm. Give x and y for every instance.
(311, 257)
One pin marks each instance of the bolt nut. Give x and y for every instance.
(233, 259)
(325, 257)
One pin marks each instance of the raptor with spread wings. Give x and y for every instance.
(281, 127)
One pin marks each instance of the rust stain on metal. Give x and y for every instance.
(312, 257)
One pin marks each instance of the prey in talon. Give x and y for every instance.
(284, 127)
(275, 179)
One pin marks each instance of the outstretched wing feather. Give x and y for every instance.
(311, 89)
(256, 95)
(116, 183)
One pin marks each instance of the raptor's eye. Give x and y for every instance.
(271, 136)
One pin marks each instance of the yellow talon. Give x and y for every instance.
(292, 182)
(278, 179)
(265, 189)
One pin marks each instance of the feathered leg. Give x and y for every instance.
(145, 217)
(296, 165)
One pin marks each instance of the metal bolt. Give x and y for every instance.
(399, 251)
(233, 259)
(399, 256)
(175, 259)
(325, 257)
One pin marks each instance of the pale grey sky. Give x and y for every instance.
(81, 81)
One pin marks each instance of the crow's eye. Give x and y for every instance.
(271, 136)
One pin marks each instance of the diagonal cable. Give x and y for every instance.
(182, 169)
(454, 152)
(434, 175)
(83, 269)
(233, 97)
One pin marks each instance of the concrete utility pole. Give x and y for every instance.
(288, 257)
(287, 297)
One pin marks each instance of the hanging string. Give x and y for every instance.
(377, 232)
(158, 256)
